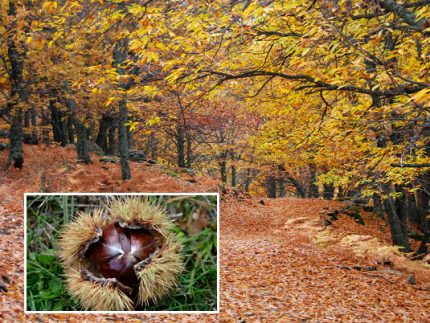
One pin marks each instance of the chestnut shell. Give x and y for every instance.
(118, 250)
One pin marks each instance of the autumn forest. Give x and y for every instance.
(305, 115)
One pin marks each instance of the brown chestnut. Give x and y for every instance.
(120, 257)
(118, 250)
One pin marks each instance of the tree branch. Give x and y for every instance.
(409, 17)
(411, 165)
(318, 84)
(276, 33)
(382, 13)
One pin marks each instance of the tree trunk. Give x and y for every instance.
(122, 141)
(422, 204)
(56, 128)
(271, 187)
(82, 143)
(16, 156)
(422, 249)
(180, 146)
(282, 187)
(27, 118)
(299, 187)
(328, 191)
(18, 94)
(402, 211)
(120, 54)
(106, 123)
(233, 176)
(222, 163)
(70, 131)
(64, 132)
(151, 148)
(81, 130)
(248, 179)
(33, 124)
(45, 130)
(59, 126)
(313, 187)
(111, 144)
(130, 141)
(189, 151)
(377, 205)
(233, 169)
(398, 236)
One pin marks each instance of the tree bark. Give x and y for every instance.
(18, 93)
(59, 126)
(111, 144)
(151, 147)
(189, 150)
(16, 156)
(233, 176)
(398, 236)
(82, 142)
(271, 186)
(282, 187)
(328, 191)
(377, 205)
(27, 118)
(222, 163)
(313, 188)
(298, 186)
(106, 123)
(248, 179)
(180, 146)
(122, 141)
(81, 130)
(130, 140)
(119, 56)
(70, 131)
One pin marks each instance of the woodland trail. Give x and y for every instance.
(271, 273)
(272, 269)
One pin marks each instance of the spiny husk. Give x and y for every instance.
(161, 275)
(156, 279)
(94, 296)
(76, 234)
(140, 211)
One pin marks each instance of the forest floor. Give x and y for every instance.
(280, 261)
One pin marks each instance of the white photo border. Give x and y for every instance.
(122, 194)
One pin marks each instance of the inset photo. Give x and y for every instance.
(122, 252)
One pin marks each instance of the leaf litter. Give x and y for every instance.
(275, 265)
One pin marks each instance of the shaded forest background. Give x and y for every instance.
(314, 98)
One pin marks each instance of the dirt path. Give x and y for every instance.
(270, 275)
(270, 271)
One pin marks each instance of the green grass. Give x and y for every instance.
(197, 290)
